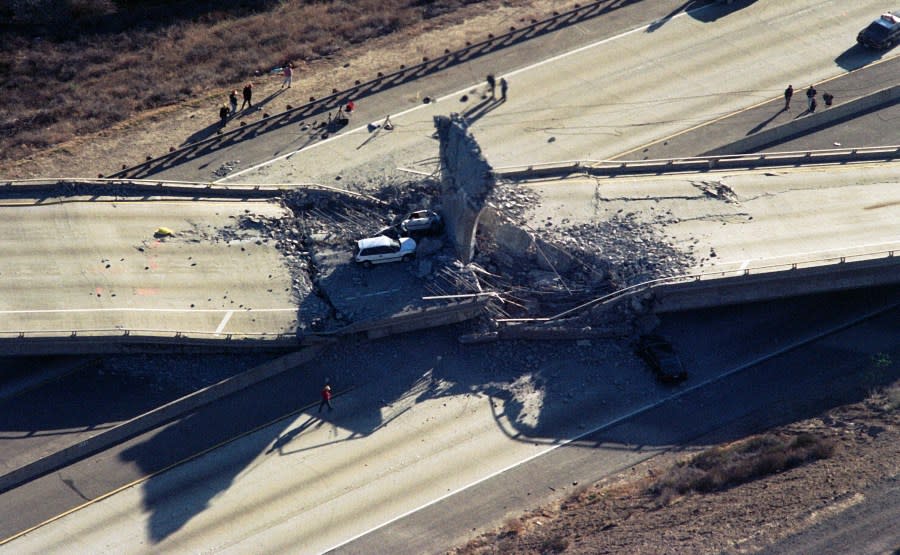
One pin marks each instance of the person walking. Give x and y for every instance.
(812, 105)
(810, 97)
(492, 84)
(232, 99)
(223, 114)
(504, 86)
(248, 96)
(326, 398)
(788, 93)
(288, 75)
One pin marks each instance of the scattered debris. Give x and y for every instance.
(717, 190)
(226, 168)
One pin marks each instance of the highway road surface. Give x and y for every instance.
(611, 96)
(743, 220)
(95, 264)
(431, 446)
(311, 482)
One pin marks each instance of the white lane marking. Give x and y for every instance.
(167, 310)
(224, 321)
(452, 95)
(620, 419)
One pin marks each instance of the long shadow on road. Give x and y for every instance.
(399, 373)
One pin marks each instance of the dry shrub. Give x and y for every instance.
(892, 397)
(724, 467)
(513, 527)
(554, 544)
(106, 63)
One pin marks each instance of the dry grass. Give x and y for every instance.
(74, 67)
(724, 467)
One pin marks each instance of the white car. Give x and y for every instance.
(381, 249)
(423, 222)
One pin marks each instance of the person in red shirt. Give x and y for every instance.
(288, 72)
(326, 398)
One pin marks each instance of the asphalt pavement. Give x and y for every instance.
(873, 128)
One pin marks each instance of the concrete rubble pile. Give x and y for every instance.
(326, 222)
(554, 267)
(539, 271)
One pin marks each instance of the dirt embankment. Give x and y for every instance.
(637, 512)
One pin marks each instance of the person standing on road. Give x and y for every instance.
(788, 93)
(504, 86)
(812, 105)
(810, 97)
(326, 398)
(492, 84)
(232, 99)
(288, 75)
(248, 96)
(223, 114)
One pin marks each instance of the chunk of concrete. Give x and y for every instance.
(512, 238)
(551, 257)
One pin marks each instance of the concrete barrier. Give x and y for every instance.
(701, 164)
(689, 295)
(826, 116)
(99, 186)
(420, 319)
(154, 418)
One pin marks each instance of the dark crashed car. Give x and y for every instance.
(881, 34)
(659, 355)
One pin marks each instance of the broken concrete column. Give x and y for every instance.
(466, 181)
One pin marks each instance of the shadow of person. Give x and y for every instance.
(202, 134)
(262, 103)
(766, 122)
(478, 111)
(666, 18)
(289, 435)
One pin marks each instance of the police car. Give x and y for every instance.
(883, 33)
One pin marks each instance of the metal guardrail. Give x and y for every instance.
(700, 163)
(632, 290)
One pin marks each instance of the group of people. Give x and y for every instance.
(492, 86)
(231, 108)
(811, 102)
